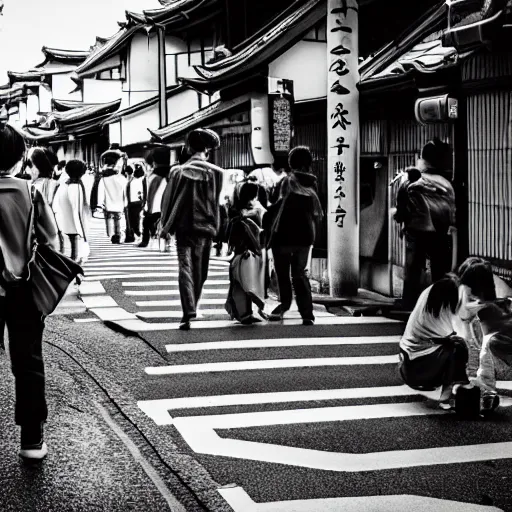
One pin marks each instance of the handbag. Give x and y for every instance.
(49, 272)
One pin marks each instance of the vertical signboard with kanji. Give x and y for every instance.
(343, 146)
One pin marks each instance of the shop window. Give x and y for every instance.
(367, 183)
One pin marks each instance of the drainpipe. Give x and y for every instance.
(343, 147)
(162, 81)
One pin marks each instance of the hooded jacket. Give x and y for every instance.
(294, 218)
(190, 204)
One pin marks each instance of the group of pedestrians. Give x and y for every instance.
(459, 314)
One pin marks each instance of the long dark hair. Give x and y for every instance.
(476, 273)
(444, 294)
(39, 158)
(12, 147)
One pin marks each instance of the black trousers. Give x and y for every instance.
(133, 219)
(419, 246)
(294, 258)
(443, 367)
(149, 226)
(193, 260)
(25, 328)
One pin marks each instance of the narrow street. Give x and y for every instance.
(281, 417)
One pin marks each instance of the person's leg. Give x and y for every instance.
(109, 222)
(439, 251)
(301, 285)
(145, 230)
(61, 242)
(25, 328)
(415, 258)
(117, 225)
(134, 210)
(186, 280)
(200, 262)
(73, 240)
(282, 263)
(455, 367)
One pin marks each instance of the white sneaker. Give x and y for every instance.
(34, 452)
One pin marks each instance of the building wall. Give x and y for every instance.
(310, 82)
(181, 56)
(45, 99)
(101, 91)
(489, 112)
(134, 128)
(182, 105)
(142, 68)
(62, 85)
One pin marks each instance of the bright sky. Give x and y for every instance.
(27, 25)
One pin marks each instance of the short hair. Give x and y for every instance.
(413, 174)
(476, 274)
(161, 156)
(75, 169)
(39, 158)
(280, 162)
(129, 170)
(444, 294)
(52, 157)
(61, 164)
(111, 158)
(138, 171)
(300, 159)
(248, 192)
(201, 139)
(12, 147)
(437, 153)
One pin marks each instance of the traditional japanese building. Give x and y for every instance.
(450, 76)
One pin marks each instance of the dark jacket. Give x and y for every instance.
(190, 204)
(426, 205)
(293, 220)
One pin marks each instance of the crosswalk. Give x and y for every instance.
(149, 284)
(294, 402)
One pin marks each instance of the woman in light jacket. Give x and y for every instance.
(24, 322)
(72, 210)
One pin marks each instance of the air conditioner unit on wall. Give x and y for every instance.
(436, 109)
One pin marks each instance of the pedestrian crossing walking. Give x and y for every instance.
(149, 286)
(298, 403)
(314, 403)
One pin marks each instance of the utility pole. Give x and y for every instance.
(343, 147)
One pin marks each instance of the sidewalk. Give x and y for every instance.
(96, 459)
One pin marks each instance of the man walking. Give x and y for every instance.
(112, 194)
(190, 210)
(426, 207)
(156, 180)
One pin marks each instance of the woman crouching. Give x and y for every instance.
(431, 354)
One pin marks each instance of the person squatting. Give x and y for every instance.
(459, 314)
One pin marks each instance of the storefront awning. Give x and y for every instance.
(198, 119)
(260, 49)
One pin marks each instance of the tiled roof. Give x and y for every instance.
(197, 119)
(64, 56)
(65, 105)
(110, 47)
(258, 51)
(435, 19)
(85, 113)
(182, 12)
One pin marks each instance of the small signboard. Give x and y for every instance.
(281, 111)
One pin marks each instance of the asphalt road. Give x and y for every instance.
(284, 417)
